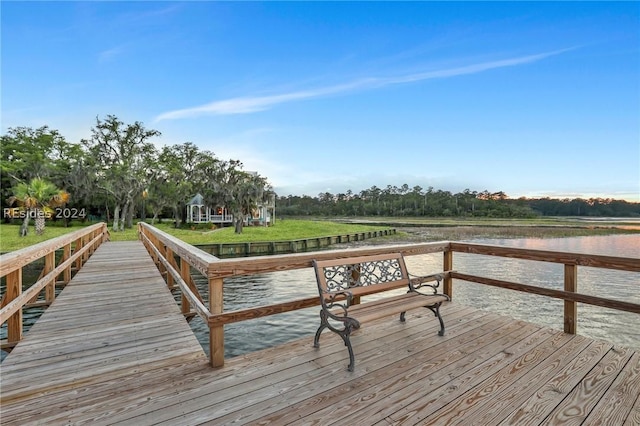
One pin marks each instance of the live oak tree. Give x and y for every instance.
(175, 179)
(237, 190)
(121, 158)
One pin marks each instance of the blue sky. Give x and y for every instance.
(533, 99)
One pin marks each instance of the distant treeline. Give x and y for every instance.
(405, 201)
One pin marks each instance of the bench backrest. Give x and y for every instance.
(362, 275)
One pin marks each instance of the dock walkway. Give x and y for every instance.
(114, 349)
(115, 323)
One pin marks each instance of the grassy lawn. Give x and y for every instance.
(283, 230)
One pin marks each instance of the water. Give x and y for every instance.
(622, 328)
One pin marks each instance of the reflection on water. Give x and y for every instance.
(599, 323)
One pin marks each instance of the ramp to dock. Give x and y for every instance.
(116, 321)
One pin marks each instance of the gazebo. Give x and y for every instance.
(199, 212)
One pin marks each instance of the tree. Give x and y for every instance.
(237, 190)
(28, 153)
(37, 198)
(122, 160)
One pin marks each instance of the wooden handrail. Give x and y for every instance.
(12, 307)
(217, 270)
(553, 293)
(579, 259)
(224, 268)
(11, 265)
(17, 259)
(196, 257)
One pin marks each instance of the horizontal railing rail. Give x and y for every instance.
(571, 261)
(217, 270)
(578, 259)
(76, 247)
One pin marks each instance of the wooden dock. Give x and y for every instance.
(114, 349)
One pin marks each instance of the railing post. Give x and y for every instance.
(49, 265)
(66, 253)
(216, 333)
(86, 254)
(570, 308)
(447, 265)
(14, 289)
(185, 273)
(168, 254)
(105, 233)
(77, 247)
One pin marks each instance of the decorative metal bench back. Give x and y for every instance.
(356, 273)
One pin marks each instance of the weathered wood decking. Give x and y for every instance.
(113, 348)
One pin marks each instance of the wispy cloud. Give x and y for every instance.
(110, 54)
(250, 104)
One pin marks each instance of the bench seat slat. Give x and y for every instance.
(374, 310)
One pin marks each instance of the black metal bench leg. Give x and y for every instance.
(349, 324)
(352, 359)
(323, 325)
(437, 311)
(345, 334)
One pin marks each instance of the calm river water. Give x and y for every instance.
(599, 323)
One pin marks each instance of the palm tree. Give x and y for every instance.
(37, 198)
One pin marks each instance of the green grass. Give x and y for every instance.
(11, 240)
(283, 230)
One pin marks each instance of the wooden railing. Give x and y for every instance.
(76, 248)
(166, 249)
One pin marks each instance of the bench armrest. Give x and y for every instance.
(336, 304)
(331, 299)
(418, 282)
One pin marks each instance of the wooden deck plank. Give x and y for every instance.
(256, 371)
(390, 380)
(616, 404)
(320, 381)
(634, 416)
(547, 398)
(263, 382)
(496, 398)
(84, 364)
(525, 354)
(573, 409)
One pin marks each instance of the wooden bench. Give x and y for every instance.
(341, 283)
